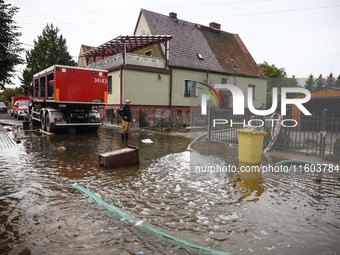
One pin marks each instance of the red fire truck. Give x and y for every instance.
(67, 97)
(13, 111)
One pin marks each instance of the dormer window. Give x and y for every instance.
(200, 56)
(233, 63)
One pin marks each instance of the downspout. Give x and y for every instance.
(170, 95)
(121, 74)
(209, 111)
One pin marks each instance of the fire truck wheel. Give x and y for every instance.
(48, 123)
(42, 121)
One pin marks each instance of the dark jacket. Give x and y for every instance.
(125, 112)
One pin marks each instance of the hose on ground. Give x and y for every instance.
(148, 228)
(189, 148)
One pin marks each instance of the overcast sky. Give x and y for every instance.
(300, 35)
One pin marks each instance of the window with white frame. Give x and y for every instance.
(190, 88)
(224, 80)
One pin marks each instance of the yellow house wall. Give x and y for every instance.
(155, 51)
(179, 77)
(114, 98)
(260, 90)
(178, 80)
(145, 88)
(142, 25)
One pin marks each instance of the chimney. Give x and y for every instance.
(214, 25)
(173, 15)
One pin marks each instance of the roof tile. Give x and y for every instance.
(216, 47)
(188, 41)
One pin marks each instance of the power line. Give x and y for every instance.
(279, 11)
(154, 7)
(208, 17)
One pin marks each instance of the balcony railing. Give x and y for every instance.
(131, 59)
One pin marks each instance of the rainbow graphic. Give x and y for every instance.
(209, 93)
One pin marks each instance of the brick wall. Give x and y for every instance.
(155, 114)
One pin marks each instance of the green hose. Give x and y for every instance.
(298, 162)
(148, 228)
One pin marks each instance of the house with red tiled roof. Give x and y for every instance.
(81, 59)
(165, 73)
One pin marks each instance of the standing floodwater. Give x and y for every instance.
(41, 214)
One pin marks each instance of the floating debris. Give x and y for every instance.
(60, 149)
(147, 141)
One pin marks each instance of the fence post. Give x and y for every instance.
(118, 116)
(323, 129)
(287, 131)
(112, 115)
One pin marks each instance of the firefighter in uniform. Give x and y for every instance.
(125, 113)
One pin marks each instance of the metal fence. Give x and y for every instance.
(318, 135)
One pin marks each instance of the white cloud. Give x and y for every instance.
(297, 35)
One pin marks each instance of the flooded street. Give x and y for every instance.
(40, 213)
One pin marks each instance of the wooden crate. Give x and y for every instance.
(122, 157)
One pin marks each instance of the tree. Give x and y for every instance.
(320, 82)
(277, 77)
(310, 83)
(337, 82)
(10, 48)
(8, 93)
(50, 49)
(330, 81)
(291, 82)
(271, 71)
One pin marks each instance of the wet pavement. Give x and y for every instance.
(41, 214)
(6, 140)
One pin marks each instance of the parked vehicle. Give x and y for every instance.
(13, 100)
(67, 97)
(20, 109)
(3, 107)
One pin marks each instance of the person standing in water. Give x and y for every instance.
(125, 113)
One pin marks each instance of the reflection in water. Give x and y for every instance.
(249, 180)
(271, 206)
